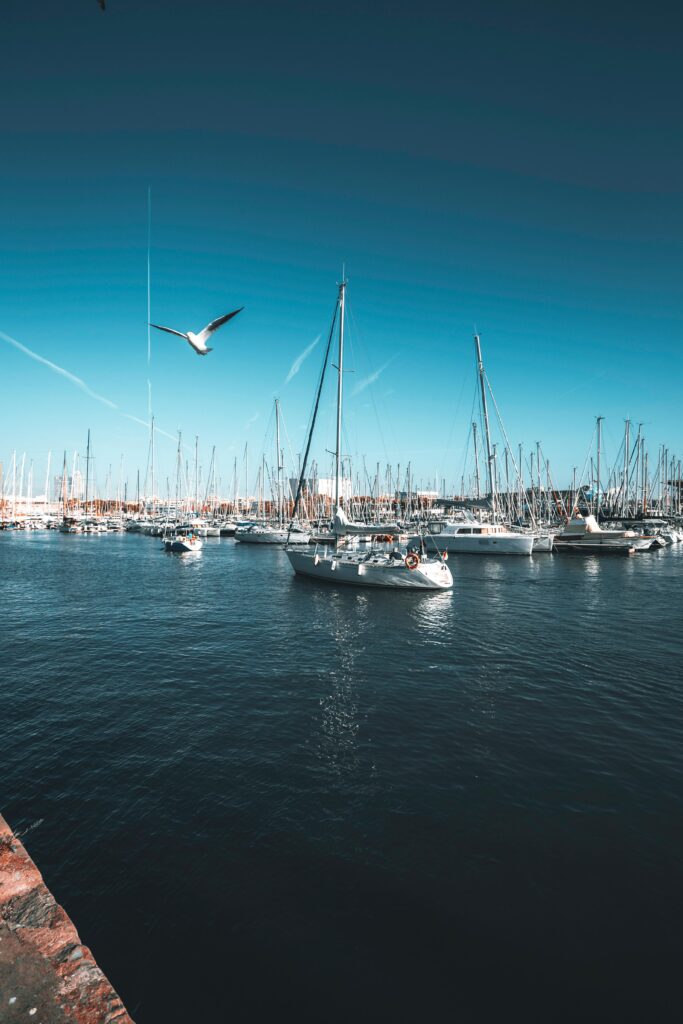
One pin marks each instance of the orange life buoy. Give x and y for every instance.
(412, 561)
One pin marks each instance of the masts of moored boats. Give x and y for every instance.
(278, 456)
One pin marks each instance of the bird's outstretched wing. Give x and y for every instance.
(215, 324)
(169, 330)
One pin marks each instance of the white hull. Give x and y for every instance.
(265, 536)
(543, 543)
(182, 545)
(482, 544)
(601, 544)
(374, 569)
(584, 535)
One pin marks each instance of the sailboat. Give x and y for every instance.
(469, 536)
(269, 533)
(384, 563)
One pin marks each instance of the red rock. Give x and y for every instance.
(43, 963)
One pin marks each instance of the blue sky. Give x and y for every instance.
(518, 172)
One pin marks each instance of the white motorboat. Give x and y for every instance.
(383, 564)
(183, 543)
(264, 534)
(473, 538)
(582, 533)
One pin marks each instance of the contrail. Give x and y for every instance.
(58, 369)
(299, 361)
(80, 384)
(363, 384)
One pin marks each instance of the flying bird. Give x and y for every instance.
(198, 341)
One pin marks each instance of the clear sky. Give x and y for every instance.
(513, 167)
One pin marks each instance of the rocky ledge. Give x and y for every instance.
(47, 975)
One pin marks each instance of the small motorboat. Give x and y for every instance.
(183, 543)
(582, 533)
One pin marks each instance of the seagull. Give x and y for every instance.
(198, 341)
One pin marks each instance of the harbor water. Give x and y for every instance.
(263, 796)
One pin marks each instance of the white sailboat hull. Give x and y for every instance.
(370, 571)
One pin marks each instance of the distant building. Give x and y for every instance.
(322, 487)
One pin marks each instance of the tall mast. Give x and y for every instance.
(87, 472)
(597, 496)
(22, 477)
(178, 471)
(340, 374)
(196, 474)
(645, 485)
(520, 486)
(14, 483)
(47, 480)
(64, 471)
(476, 460)
(279, 462)
(487, 431)
(627, 459)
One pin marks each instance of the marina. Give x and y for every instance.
(316, 777)
(341, 514)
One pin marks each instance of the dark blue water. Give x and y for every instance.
(265, 797)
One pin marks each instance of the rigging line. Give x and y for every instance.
(469, 431)
(288, 444)
(352, 318)
(505, 437)
(585, 464)
(553, 489)
(313, 417)
(453, 422)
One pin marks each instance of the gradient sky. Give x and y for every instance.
(511, 167)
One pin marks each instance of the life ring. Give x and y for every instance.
(412, 561)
